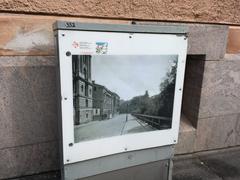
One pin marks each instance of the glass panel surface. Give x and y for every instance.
(114, 95)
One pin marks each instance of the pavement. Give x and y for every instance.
(215, 165)
(118, 125)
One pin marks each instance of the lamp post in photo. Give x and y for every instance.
(127, 113)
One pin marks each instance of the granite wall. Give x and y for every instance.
(218, 119)
(28, 121)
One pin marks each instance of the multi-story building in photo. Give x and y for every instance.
(91, 101)
(82, 89)
(115, 103)
(105, 101)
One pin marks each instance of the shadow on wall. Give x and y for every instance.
(192, 87)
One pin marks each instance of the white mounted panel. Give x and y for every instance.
(103, 59)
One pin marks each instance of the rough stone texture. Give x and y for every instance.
(220, 93)
(28, 101)
(203, 39)
(226, 11)
(27, 91)
(28, 121)
(214, 165)
(211, 101)
(36, 33)
(31, 159)
(186, 142)
(192, 87)
(233, 45)
(208, 40)
(218, 132)
(52, 175)
(225, 164)
(187, 136)
(232, 57)
(211, 88)
(192, 169)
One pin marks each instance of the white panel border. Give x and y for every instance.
(119, 44)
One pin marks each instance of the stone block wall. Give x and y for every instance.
(28, 106)
(218, 114)
(211, 99)
(28, 121)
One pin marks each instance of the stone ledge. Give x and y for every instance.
(187, 136)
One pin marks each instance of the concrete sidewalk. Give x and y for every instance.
(116, 126)
(215, 165)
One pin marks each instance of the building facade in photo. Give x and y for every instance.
(106, 101)
(91, 101)
(115, 103)
(82, 89)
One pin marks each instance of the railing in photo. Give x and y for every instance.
(157, 122)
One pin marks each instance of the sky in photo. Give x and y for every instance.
(131, 76)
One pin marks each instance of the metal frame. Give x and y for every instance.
(149, 29)
(118, 161)
(175, 42)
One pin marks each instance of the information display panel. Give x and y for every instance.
(121, 88)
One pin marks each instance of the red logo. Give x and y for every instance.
(75, 44)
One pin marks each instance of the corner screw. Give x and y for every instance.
(63, 34)
(70, 144)
(68, 53)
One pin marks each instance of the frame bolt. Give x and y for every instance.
(68, 53)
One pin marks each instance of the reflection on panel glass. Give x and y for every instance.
(117, 94)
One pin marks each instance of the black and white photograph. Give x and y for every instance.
(114, 95)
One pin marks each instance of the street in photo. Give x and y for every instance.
(115, 95)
